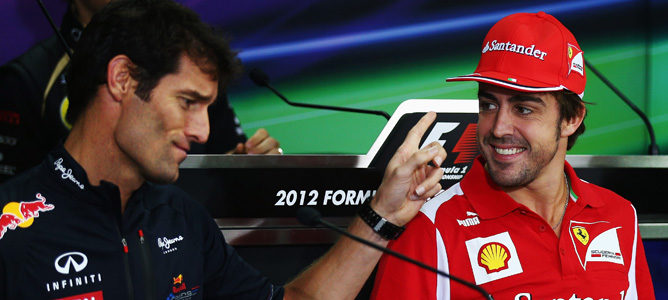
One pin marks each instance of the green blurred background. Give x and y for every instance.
(626, 41)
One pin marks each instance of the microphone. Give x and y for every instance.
(311, 217)
(653, 147)
(260, 78)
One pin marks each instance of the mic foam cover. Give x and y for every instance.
(259, 77)
(308, 216)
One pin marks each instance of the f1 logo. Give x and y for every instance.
(437, 132)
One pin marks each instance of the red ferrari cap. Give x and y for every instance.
(530, 53)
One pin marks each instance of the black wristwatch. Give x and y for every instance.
(379, 224)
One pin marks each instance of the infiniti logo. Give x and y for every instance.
(66, 261)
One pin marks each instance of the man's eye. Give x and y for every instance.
(187, 102)
(486, 106)
(523, 110)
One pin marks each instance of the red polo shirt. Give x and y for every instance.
(476, 232)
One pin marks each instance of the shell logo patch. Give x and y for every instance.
(493, 257)
(581, 234)
(596, 242)
(22, 214)
(575, 60)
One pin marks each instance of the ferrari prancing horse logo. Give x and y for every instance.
(581, 234)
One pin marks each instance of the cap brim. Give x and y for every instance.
(538, 88)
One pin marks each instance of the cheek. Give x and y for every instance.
(484, 125)
(540, 135)
(171, 118)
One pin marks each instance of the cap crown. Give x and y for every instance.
(531, 52)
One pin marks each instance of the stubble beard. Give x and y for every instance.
(529, 169)
(163, 172)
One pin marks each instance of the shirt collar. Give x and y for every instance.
(67, 171)
(68, 174)
(490, 201)
(586, 196)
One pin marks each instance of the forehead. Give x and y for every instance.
(190, 77)
(498, 93)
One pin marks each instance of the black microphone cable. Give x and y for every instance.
(311, 217)
(63, 43)
(653, 147)
(262, 79)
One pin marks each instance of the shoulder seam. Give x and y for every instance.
(430, 208)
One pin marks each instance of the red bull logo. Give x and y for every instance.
(180, 291)
(179, 285)
(22, 214)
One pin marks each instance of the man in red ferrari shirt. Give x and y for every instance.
(521, 224)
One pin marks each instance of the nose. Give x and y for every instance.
(197, 126)
(503, 123)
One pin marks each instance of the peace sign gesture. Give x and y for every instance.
(408, 179)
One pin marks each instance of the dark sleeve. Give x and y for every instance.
(225, 129)
(227, 275)
(23, 141)
(20, 143)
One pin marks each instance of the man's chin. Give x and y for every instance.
(513, 179)
(164, 177)
(505, 175)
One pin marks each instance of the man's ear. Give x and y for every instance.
(119, 81)
(568, 127)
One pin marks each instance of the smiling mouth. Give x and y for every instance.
(508, 151)
(183, 147)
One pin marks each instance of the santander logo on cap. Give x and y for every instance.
(512, 47)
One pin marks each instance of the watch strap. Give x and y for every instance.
(380, 225)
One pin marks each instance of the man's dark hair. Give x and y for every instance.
(570, 106)
(153, 34)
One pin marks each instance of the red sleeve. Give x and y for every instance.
(397, 279)
(642, 277)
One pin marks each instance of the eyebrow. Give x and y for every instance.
(515, 98)
(197, 96)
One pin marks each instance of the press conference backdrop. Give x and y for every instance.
(373, 54)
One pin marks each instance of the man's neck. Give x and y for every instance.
(546, 195)
(92, 145)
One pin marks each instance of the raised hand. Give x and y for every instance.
(408, 179)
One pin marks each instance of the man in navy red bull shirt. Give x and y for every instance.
(521, 224)
(90, 221)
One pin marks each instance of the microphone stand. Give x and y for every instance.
(653, 147)
(55, 29)
(261, 79)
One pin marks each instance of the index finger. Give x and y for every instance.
(415, 134)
